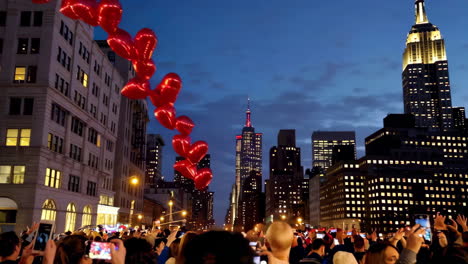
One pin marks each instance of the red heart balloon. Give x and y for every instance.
(144, 70)
(85, 10)
(184, 125)
(109, 15)
(169, 87)
(203, 178)
(145, 43)
(181, 144)
(186, 168)
(122, 43)
(197, 151)
(155, 98)
(166, 116)
(67, 9)
(40, 1)
(136, 89)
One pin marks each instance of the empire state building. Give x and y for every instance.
(426, 84)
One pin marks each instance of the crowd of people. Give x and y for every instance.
(278, 243)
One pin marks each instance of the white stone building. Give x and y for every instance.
(59, 119)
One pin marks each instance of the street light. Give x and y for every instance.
(299, 220)
(184, 213)
(134, 180)
(140, 217)
(283, 217)
(161, 218)
(171, 203)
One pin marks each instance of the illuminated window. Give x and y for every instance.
(70, 217)
(20, 74)
(12, 174)
(52, 178)
(18, 137)
(49, 210)
(86, 219)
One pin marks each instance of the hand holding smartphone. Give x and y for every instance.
(44, 233)
(101, 250)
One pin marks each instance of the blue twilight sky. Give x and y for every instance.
(306, 65)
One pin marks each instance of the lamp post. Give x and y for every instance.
(171, 203)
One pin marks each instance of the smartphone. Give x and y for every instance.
(363, 235)
(260, 260)
(43, 234)
(349, 233)
(321, 236)
(336, 241)
(423, 221)
(100, 250)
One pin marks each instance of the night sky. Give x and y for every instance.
(306, 65)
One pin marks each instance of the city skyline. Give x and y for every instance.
(314, 96)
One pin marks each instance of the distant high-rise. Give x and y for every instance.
(153, 159)
(323, 143)
(426, 84)
(285, 188)
(248, 162)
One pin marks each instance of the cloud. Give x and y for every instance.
(325, 79)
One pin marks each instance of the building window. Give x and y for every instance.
(25, 18)
(3, 16)
(94, 137)
(52, 178)
(91, 188)
(75, 152)
(77, 126)
(49, 210)
(35, 45)
(37, 22)
(20, 106)
(74, 184)
(82, 76)
(55, 143)
(18, 137)
(12, 174)
(58, 114)
(86, 218)
(70, 217)
(62, 85)
(22, 46)
(20, 74)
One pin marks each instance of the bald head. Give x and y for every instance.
(280, 236)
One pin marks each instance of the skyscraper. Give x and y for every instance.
(153, 159)
(284, 189)
(248, 163)
(323, 143)
(426, 84)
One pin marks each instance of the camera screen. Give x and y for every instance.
(43, 235)
(100, 250)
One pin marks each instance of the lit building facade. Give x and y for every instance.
(285, 187)
(323, 143)
(248, 162)
(426, 84)
(154, 157)
(414, 171)
(130, 160)
(60, 98)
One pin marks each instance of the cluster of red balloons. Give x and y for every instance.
(139, 50)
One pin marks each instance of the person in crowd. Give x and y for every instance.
(173, 251)
(359, 248)
(10, 247)
(297, 250)
(184, 241)
(139, 251)
(343, 257)
(218, 247)
(72, 249)
(318, 252)
(161, 249)
(278, 238)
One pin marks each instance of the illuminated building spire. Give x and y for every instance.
(421, 17)
(247, 121)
